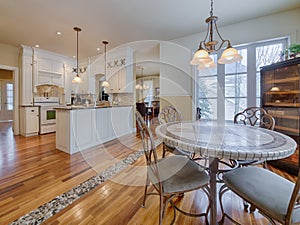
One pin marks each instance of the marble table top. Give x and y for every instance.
(227, 140)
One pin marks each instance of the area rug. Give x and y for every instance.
(57, 204)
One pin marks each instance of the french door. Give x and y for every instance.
(6, 100)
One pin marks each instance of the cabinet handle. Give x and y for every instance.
(32, 110)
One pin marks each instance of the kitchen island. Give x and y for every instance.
(82, 127)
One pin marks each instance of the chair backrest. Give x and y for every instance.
(255, 116)
(169, 114)
(149, 148)
(141, 108)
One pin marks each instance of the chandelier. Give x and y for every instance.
(77, 78)
(141, 86)
(211, 44)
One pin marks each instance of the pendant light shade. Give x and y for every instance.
(77, 78)
(105, 84)
(213, 42)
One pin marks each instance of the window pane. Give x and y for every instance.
(148, 90)
(207, 87)
(258, 85)
(268, 54)
(9, 96)
(236, 85)
(233, 106)
(238, 67)
(208, 108)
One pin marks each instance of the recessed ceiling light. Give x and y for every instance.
(58, 33)
(37, 46)
(98, 49)
(74, 56)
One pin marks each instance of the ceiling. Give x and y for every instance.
(32, 22)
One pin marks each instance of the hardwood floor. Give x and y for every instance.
(33, 172)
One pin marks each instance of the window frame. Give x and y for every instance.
(251, 73)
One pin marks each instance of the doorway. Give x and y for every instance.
(9, 96)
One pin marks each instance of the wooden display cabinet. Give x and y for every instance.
(280, 96)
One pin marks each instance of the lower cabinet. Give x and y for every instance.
(29, 121)
(80, 129)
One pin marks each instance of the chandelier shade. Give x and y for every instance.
(213, 42)
(230, 55)
(105, 84)
(77, 78)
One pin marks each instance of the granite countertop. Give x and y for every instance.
(76, 107)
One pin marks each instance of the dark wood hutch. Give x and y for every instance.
(280, 96)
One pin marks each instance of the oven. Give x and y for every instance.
(47, 113)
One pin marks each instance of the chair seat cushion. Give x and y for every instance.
(268, 191)
(179, 174)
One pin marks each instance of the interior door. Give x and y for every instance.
(6, 98)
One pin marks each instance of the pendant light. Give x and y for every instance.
(77, 78)
(105, 82)
(210, 45)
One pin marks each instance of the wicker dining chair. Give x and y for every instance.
(171, 176)
(274, 196)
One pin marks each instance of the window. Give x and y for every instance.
(236, 86)
(207, 86)
(145, 91)
(9, 96)
(148, 90)
(223, 91)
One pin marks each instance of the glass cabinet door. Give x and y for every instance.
(281, 87)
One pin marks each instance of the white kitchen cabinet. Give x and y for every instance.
(119, 71)
(49, 72)
(121, 120)
(121, 81)
(26, 88)
(29, 121)
(81, 129)
(103, 123)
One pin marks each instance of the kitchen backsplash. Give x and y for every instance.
(123, 98)
(50, 91)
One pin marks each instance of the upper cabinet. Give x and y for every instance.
(40, 67)
(50, 72)
(119, 69)
(48, 68)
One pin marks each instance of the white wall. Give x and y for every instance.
(175, 70)
(176, 78)
(263, 28)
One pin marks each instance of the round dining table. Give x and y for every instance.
(228, 141)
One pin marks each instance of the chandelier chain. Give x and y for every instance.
(211, 8)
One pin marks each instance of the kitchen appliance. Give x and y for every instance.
(47, 113)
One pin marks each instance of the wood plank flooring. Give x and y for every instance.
(32, 172)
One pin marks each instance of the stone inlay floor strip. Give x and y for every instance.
(57, 204)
